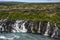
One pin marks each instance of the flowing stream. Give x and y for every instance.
(23, 36)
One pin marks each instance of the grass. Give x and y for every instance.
(32, 16)
(50, 15)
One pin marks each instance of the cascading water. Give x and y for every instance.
(19, 26)
(29, 26)
(16, 26)
(47, 29)
(1, 27)
(9, 36)
(32, 26)
(55, 30)
(39, 27)
(22, 28)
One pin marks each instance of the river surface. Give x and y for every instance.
(23, 36)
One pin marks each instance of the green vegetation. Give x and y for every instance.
(49, 12)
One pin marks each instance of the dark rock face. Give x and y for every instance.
(29, 26)
(58, 35)
(6, 26)
(9, 24)
(43, 28)
(2, 27)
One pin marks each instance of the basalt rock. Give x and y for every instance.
(42, 28)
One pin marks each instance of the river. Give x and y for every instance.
(23, 36)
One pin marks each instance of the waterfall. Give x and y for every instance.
(32, 27)
(39, 27)
(19, 26)
(23, 29)
(47, 29)
(29, 26)
(1, 27)
(55, 30)
(16, 26)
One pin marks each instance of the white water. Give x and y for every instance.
(5, 38)
(1, 28)
(2, 37)
(21, 25)
(9, 37)
(47, 29)
(39, 27)
(55, 30)
(23, 29)
(23, 36)
(16, 26)
(31, 27)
